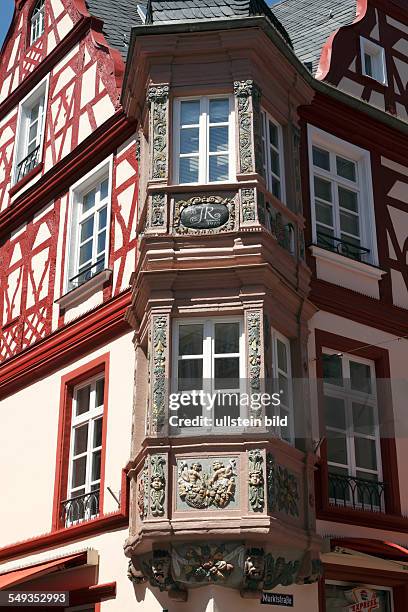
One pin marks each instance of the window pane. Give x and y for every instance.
(191, 339)
(88, 201)
(85, 253)
(348, 199)
(335, 415)
(101, 242)
(226, 338)
(219, 111)
(218, 139)
(96, 465)
(104, 189)
(322, 189)
(363, 418)
(190, 374)
(189, 170)
(99, 390)
(366, 455)
(349, 223)
(87, 228)
(325, 237)
(219, 168)
(337, 449)
(332, 369)
(32, 134)
(360, 375)
(275, 166)
(82, 400)
(346, 168)
(226, 405)
(102, 218)
(97, 433)
(273, 134)
(324, 213)
(321, 158)
(283, 385)
(189, 140)
(81, 439)
(226, 373)
(282, 355)
(276, 188)
(190, 112)
(78, 472)
(368, 64)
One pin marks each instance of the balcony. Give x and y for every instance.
(80, 508)
(27, 164)
(343, 247)
(356, 493)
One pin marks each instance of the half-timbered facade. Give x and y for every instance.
(201, 201)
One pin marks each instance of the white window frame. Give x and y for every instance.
(372, 587)
(276, 371)
(203, 154)
(37, 21)
(362, 159)
(280, 150)
(103, 171)
(94, 413)
(349, 396)
(377, 54)
(208, 363)
(24, 108)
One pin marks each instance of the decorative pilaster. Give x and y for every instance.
(247, 96)
(156, 214)
(253, 323)
(256, 488)
(157, 485)
(159, 373)
(158, 97)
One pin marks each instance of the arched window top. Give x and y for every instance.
(37, 21)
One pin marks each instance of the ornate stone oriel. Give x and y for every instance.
(282, 488)
(157, 485)
(158, 376)
(209, 214)
(256, 488)
(158, 97)
(247, 95)
(215, 487)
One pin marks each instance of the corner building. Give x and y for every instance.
(204, 200)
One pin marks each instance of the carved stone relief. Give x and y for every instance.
(253, 334)
(158, 375)
(158, 97)
(247, 95)
(157, 211)
(282, 488)
(256, 488)
(206, 483)
(204, 214)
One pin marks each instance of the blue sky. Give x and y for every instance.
(6, 13)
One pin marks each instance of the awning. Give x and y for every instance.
(377, 548)
(19, 576)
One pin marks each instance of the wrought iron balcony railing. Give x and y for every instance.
(28, 163)
(80, 508)
(343, 247)
(356, 493)
(87, 273)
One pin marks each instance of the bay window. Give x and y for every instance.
(352, 429)
(204, 140)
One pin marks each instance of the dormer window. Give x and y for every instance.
(373, 61)
(37, 21)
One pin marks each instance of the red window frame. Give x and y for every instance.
(68, 383)
(325, 511)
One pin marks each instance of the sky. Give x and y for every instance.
(6, 13)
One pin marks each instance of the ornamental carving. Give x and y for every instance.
(254, 351)
(143, 491)
(247, 95)
(207, 213)
(157, 485)
(200, 490)
(279, 571)
(248, 205)
(206, 563)
(256, 487)
(159, 342)
(157, 210)
(254, 569)
(158, 96)
(282, 487)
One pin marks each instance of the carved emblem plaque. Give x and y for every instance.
(206, 215)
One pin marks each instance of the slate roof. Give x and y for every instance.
(119, 17)
(309, 23)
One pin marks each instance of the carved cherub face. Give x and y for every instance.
(254, 478)
(217, 465)
(197, 467)
(156, 483)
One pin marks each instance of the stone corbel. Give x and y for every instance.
(158, 98)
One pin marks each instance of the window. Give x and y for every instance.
(341, 191)
(373, 61)
(204, 137)
(282, 375)
(84, 473)
(30, 132)
(272, 142)
(89, 226)
(347, 597)
(208, 357)
(37, 21)
(352, 427)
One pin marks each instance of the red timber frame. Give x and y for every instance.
(392, 518)
(68, 382)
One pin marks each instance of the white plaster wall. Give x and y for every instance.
(398, 355)
(28, 441)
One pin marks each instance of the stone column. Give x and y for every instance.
(159, 363)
